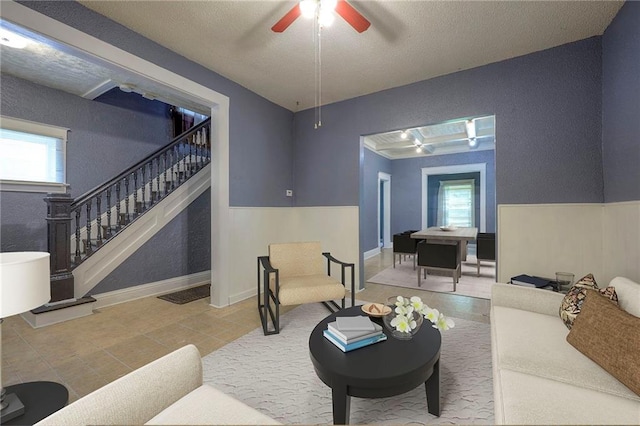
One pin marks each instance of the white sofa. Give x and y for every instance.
(168, 390)
(539, 378)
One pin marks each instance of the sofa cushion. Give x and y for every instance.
(628, 294)
(308, 289)
(610, 337)
(535, 344)
(209, 406)
(527, 399)
(572, 302)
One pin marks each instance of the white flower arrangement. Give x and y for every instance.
(404, 321)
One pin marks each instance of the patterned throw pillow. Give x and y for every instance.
(572, 302)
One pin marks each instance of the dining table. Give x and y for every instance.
(462, 235)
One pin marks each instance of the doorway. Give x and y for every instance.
(384, 210)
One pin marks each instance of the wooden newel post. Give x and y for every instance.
(59, 245)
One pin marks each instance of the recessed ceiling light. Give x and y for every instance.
(473, 142)
(418, 150)
(8, 38)
(404, 135)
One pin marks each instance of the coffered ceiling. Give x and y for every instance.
(454, 136)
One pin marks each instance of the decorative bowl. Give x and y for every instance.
(376, 309)
(402, 335)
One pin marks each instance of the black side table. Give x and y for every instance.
(40, 399)
(383, 369)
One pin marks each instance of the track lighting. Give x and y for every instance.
(127, 88)
(471, 129)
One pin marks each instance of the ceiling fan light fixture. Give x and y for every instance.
(325, 17)
(308, 8)
(328, 4)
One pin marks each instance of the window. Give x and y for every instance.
(455, 203)
(32, 156)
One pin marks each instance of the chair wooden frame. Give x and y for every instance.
(264, 300)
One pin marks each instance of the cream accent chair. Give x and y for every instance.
(293, 274)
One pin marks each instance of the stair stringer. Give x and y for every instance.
(104, 261)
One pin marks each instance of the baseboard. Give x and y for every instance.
(239, 297)
(76, 310)
(370, 253)
(151, 289)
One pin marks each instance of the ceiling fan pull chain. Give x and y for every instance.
(316, 42)
(319, 75)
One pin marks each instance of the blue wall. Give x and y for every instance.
(548, 114)
(103, 141)
(621, 105)
(260, 133)
(373, 163)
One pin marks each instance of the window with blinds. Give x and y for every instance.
(456, 203)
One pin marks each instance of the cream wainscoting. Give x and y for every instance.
(252, 229)
(621, 242)
(540, 239)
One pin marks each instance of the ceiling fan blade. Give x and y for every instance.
(287, 19)
(352, 16)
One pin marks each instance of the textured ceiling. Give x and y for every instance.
(408, 41)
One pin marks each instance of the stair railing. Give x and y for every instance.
(101, 213)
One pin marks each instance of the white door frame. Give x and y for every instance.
(385, 180)
(448, 170)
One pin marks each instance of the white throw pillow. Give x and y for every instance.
(628, 294)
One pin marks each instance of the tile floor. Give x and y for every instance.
(87, 353)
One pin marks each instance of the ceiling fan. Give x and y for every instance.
(323, 9)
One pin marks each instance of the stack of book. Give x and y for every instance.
(349, 333)
(531, 281)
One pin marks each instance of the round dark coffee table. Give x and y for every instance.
(380, 370)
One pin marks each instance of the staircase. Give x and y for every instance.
(98, 216)
(81, 230)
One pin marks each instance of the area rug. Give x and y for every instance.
(469, 284)
(274, 375)
(189, 295)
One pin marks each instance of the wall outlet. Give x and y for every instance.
(289, 193)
